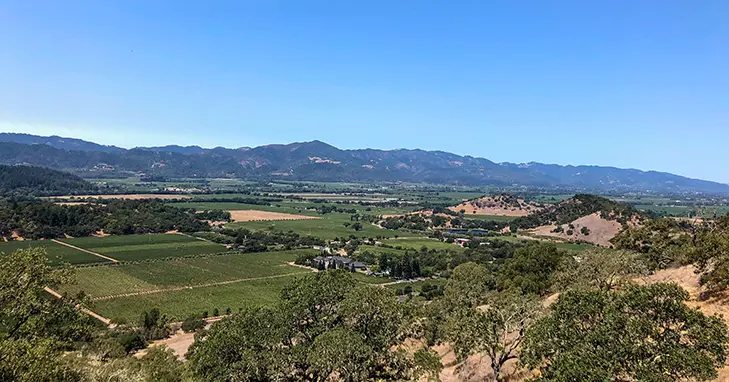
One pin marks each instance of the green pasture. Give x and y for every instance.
(329, 226)
(419, 242)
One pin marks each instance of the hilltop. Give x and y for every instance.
(497, 205)
(583, 217)
(319, 161)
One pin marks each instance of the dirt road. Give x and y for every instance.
(84, 250)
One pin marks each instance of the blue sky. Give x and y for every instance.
(640, 84)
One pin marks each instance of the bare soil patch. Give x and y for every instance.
(254, 215)
(601, 230)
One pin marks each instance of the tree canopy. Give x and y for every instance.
(325, 324)
(40, 181)
(639, 333)
(35, 328)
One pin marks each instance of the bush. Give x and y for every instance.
(193, 324)
(585, 231)
(131, 340)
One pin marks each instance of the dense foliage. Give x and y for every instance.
(639, 333)
(411, 263)
(531, 269)
(39, 181)
(36, 328)
(325, 324)
(36, 219)
(244, 240)
(663, 242)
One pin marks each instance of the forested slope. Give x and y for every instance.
(39, 181)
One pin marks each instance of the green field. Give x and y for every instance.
(419, 242)
(684, 211)
(133, 278)
(181, 304)
(329, 226)
(143, 247)
(181, 281)
(57, 254)
(378, 249)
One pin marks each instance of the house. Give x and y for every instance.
(338, 262)
(460, 241)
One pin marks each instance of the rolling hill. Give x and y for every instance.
(318, 161)
(40, 181)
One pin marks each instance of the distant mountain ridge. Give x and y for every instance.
(57, 142)
(319, 161)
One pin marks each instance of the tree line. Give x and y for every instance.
(40, 181)
(37, 219)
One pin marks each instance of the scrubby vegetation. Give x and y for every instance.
(572, 209)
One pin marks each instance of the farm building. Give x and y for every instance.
(461, 241)
(337, 262)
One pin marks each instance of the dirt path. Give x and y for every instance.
(301, 266)
(180, 288)
(180, 341)
(84, 250)
(403, 281)
(81, 308)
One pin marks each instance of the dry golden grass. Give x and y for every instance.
(254, 215)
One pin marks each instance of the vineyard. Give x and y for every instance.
(178, 305)
(157, 283)
(57, 254)
(145, 247)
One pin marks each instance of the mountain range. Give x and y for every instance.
(318, 161)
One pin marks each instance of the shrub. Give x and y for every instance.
(192, 324)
